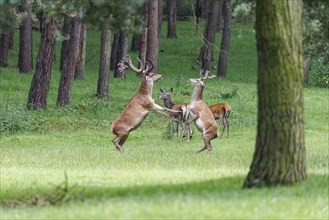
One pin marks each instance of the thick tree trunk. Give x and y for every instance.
(104, 65)
(198, 13)
(114, 50)
(206, 51)
(152, 34)
(67, 73)
(279, 156)
(4, 39)
(172, 7)
(80, 66)
(38, 94)
(65, 32)
(25, 40)
(225, 45)
(122, 52)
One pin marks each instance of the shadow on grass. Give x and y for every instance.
(228, 187)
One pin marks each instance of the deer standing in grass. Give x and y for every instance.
(139, 105)
(200, 113)
(222, 111)
(178, 117)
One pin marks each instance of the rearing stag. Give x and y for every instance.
(201, 114)
(139, 105)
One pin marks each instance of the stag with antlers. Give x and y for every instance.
(200, 113)
(139, 105)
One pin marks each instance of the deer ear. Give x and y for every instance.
(171, 90)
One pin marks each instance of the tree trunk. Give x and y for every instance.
(80, 66)
(307, 67)
(198, 13)
(143, 42)
(11, 39)
(225, 45)
(172, 7)
(65, 32)
(25, 56)
(67, 73)
(122, 52)
(220, 13)
(104, 65)
(136, 38)
(160, 15)
(207, 48)
(114, 50)
(4, 39)
(152, 34)
(38, 94)
(280, 156)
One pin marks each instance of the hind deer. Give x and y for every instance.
(178, 117)
(222, 111)
(139, 105)
(200, 113)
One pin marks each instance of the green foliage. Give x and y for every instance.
(243, 10)
(321, 73)
(7, 15)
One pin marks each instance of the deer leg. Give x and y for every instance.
(222, 121)
(172, 129)
(116, 142)
(207, 145)
(227, 125)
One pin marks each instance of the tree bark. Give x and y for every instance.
(80, 66)
(280, 156)
(4, 39)
(226, 36)
(172, 7)
(67, 73)
(65, 32)
(38, 94)
(25, 56)
(104, 65)
(114, 50)
(122, 52)
(152, 34)
(220, 15)
(206, 51)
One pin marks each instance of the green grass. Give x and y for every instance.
(155, 177)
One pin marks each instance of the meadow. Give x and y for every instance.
(61, 164)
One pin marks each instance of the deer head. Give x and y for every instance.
(145, 71)
(164, 94)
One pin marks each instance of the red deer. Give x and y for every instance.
(178, 117)
(201, 114)
(222, 112)
(139, 105)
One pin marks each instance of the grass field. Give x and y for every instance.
(155, 177)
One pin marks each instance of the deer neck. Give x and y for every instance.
(197, 94)
(168, 103)
(145, 88)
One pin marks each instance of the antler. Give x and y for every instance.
(148, 66)
(206, 76)
(126, 63)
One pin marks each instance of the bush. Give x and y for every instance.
(321, 73)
